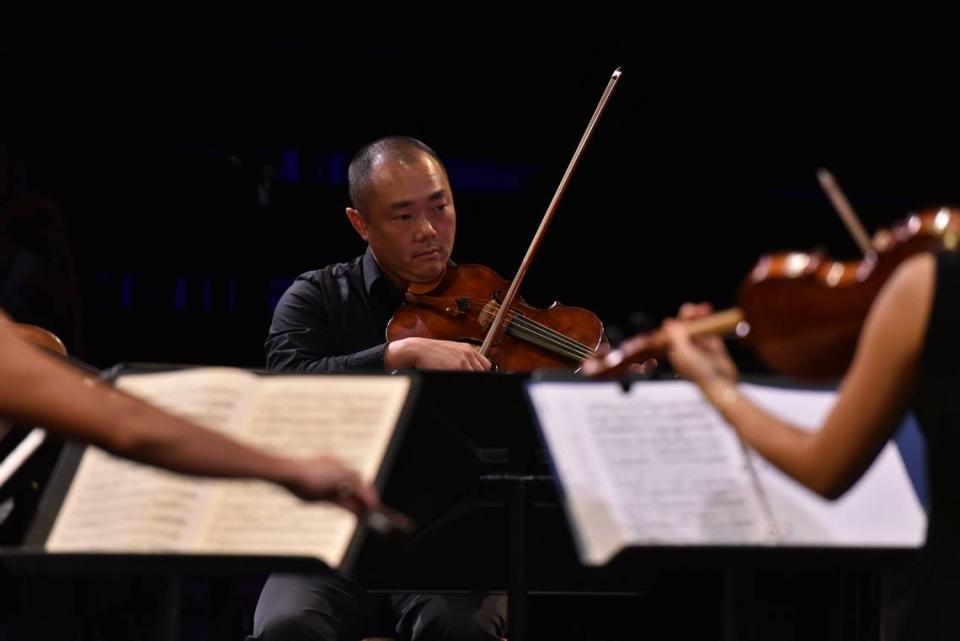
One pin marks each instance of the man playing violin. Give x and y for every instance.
(335, 319)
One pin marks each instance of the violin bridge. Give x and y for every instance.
(488, 313)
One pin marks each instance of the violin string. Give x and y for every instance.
(542, 335)
(570, 346)
(547, 343)
(548, 338)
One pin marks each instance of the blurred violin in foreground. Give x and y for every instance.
(802, 312)
(36, 335)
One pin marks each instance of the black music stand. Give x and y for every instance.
(31, 560)
(471, 470)
(740, 564)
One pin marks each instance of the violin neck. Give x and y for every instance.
(718, 324)
(645, 346)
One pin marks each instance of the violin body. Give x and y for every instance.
(40, 337)
(805, 311)
(37, 335)
(462, 306)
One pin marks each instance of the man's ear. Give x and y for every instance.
(358, 221)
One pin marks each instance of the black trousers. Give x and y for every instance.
(332, 607)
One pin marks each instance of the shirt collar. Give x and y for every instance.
(372, 273)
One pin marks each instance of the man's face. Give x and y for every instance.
(408, 219)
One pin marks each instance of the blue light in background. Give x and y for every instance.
(290, 166)
(232, 295)
(180, 294)
(126, 291)
(206, 294)
(337, 169)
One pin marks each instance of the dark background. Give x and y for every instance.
(197, 156)
(153, 132)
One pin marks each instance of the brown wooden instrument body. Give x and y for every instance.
(36, 335)
(463, 304)
(803, 313)
(40, 337)
(806, 311)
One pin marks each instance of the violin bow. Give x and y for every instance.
(495, 327)
(842, 206)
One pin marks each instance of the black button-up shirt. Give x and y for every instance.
(333, 319)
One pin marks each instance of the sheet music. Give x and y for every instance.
(658, 466)
(116, 505)
(658, 457)
(121, 505)
(881, 509)
(351, 417)
(216, 397)
(256, 518)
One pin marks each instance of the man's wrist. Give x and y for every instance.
(395, 355)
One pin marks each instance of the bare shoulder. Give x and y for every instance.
(903, 306)
(917, 271)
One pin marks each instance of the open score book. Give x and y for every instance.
(658, 466)
(118, 506)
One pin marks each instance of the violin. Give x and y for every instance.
(36, 335)
(473, 303)
(463, 305)
(40, 337)
(802, 312)
(48, 341)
